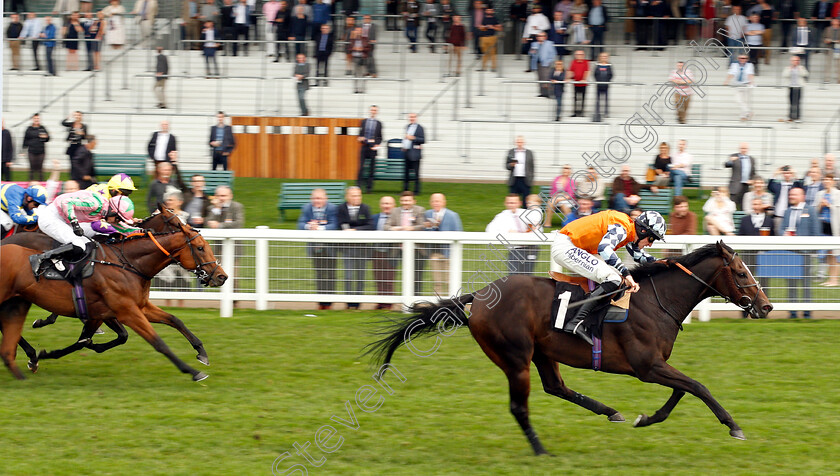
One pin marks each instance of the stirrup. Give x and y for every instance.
(581, 331)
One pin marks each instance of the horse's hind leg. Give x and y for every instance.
(12, 318)
(84, 339)
(664, 374)
(156, 314)
(31, 353)
(122, 337)
(662, 413)
(553, 385)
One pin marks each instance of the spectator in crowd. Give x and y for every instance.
(520, 162)
(269, 11)
(161, 185)
(828, 210)
(221, 142)
(354, 215)
(458, 39)
(349, 29)
(384, 255)
(754, 32)
(190, 13)
(662, 166)
(563, 189)
(509, 221)
(757, 223)
(828, 165)
(784, 179)
(565, 7)
(161, 73)
(744, 76)
(71, 32)
(744, 167)
(821, 11)
(447, 11)
(369, 33)
(490, 26)
(602, 73)
(477, 13)
(766, 14)
(680, 168)
(800, 220)
(625, 191)
(518, 14)
(535, 24)
(411, 14)
(391, 11)
(580, 74)
(81, 163)
(758, 192)
(76, 132)
(558, 80)
(146, 11)
(174, 200)
(298, 26)
(49, 35)
(682, 78)
(114, 15)
(719, 211)
(94, 32)
(282, 22)
(34, 140)
(735, 28)
(241, 13)
(593, 187)
(643, 22)
(162, 145)
(812, 183)
(598, 20)
(208, 36)
(70, 186)
(682, 220)
(579, 8)
(412, 147)
(8, 155)
(430, 11)
(197, 203)
(359, 49)
(324, 42)
(578, 31)
(410, 217)
(440, 218)
(13, 35)
(226, 18)
(32, 28)
(545, 53)
(584, 209)
(788, 13)
(557, 34)
(224, 212)
(831, 40)
(802, 39)
(796, 74)
(658, 11)
(370, 136)
(320, 15)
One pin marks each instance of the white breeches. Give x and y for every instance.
(566, 254)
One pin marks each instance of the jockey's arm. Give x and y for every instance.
(639, 255)
(20, 216)
(606, 248)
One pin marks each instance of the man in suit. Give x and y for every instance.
(301, 75)
(222, 142)
(8, 155)
(319, 215)
(410, 217)
(520, 162)
(161, 73)
(324, 41)
(412, 147)
(440, 218)
(81, 163)
(384, 255)
(228, 28)
(820, 15)
(369, 32)
(800, 220)
(224, 212)
(744, 167)
(784, 179)
(598, 20)
(757, 223)
(802, 38)
(354, 215)
(370, 136)
(162, 145)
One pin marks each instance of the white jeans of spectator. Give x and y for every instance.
(53, 224)
(566, 254)
(6, 221)
(743, 96)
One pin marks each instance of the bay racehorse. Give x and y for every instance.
(118, 289)
(510, 320)
(31, 237)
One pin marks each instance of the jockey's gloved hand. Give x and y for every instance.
(77, 229)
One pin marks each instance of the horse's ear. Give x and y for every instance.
(161, 207)
(721, 247)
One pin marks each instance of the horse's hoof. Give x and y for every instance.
(640, 420)
(617, 418)
(38, 324)
(84, 341)
(203, 359)
(199, 377)
(737, 434)
(33, 366)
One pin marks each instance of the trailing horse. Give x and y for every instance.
(510, 320)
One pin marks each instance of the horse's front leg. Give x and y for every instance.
(664, 374)
(31, 353)
(158, 315)
(84, 339)
(662, 413)
(45, 322)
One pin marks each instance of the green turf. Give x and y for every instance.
(277, 377)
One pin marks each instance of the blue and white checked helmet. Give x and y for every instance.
(650, 224)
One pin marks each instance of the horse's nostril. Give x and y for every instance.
(767, 308)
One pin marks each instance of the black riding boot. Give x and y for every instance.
(575, 325)
(65, 250)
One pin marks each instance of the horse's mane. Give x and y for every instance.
(701, 254)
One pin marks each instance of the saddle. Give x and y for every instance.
(622, 302)
(64, 269)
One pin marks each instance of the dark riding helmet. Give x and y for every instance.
(650, 224)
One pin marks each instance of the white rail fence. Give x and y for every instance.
(267, 265)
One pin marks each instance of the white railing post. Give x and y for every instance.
(407, 273)
(456, 266)
(228, 264)
(261, 261)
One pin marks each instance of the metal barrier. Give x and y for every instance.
(403, 267)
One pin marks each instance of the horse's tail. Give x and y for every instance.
(425, 318)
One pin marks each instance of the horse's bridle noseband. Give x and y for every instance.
(199, 271)
(745, 302)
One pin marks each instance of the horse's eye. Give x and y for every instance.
(742, 275)
(200, 248)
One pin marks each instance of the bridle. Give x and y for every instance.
(199, 271)
(744, 301)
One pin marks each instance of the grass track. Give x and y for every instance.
(277, 376)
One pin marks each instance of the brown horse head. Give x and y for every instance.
(195, 254)
(738, 284)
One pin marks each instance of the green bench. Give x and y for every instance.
(389, 169)
(294, 195)
(212, 178)
(658, 202)
(107, 165)
(693, 180)
(736, 218)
